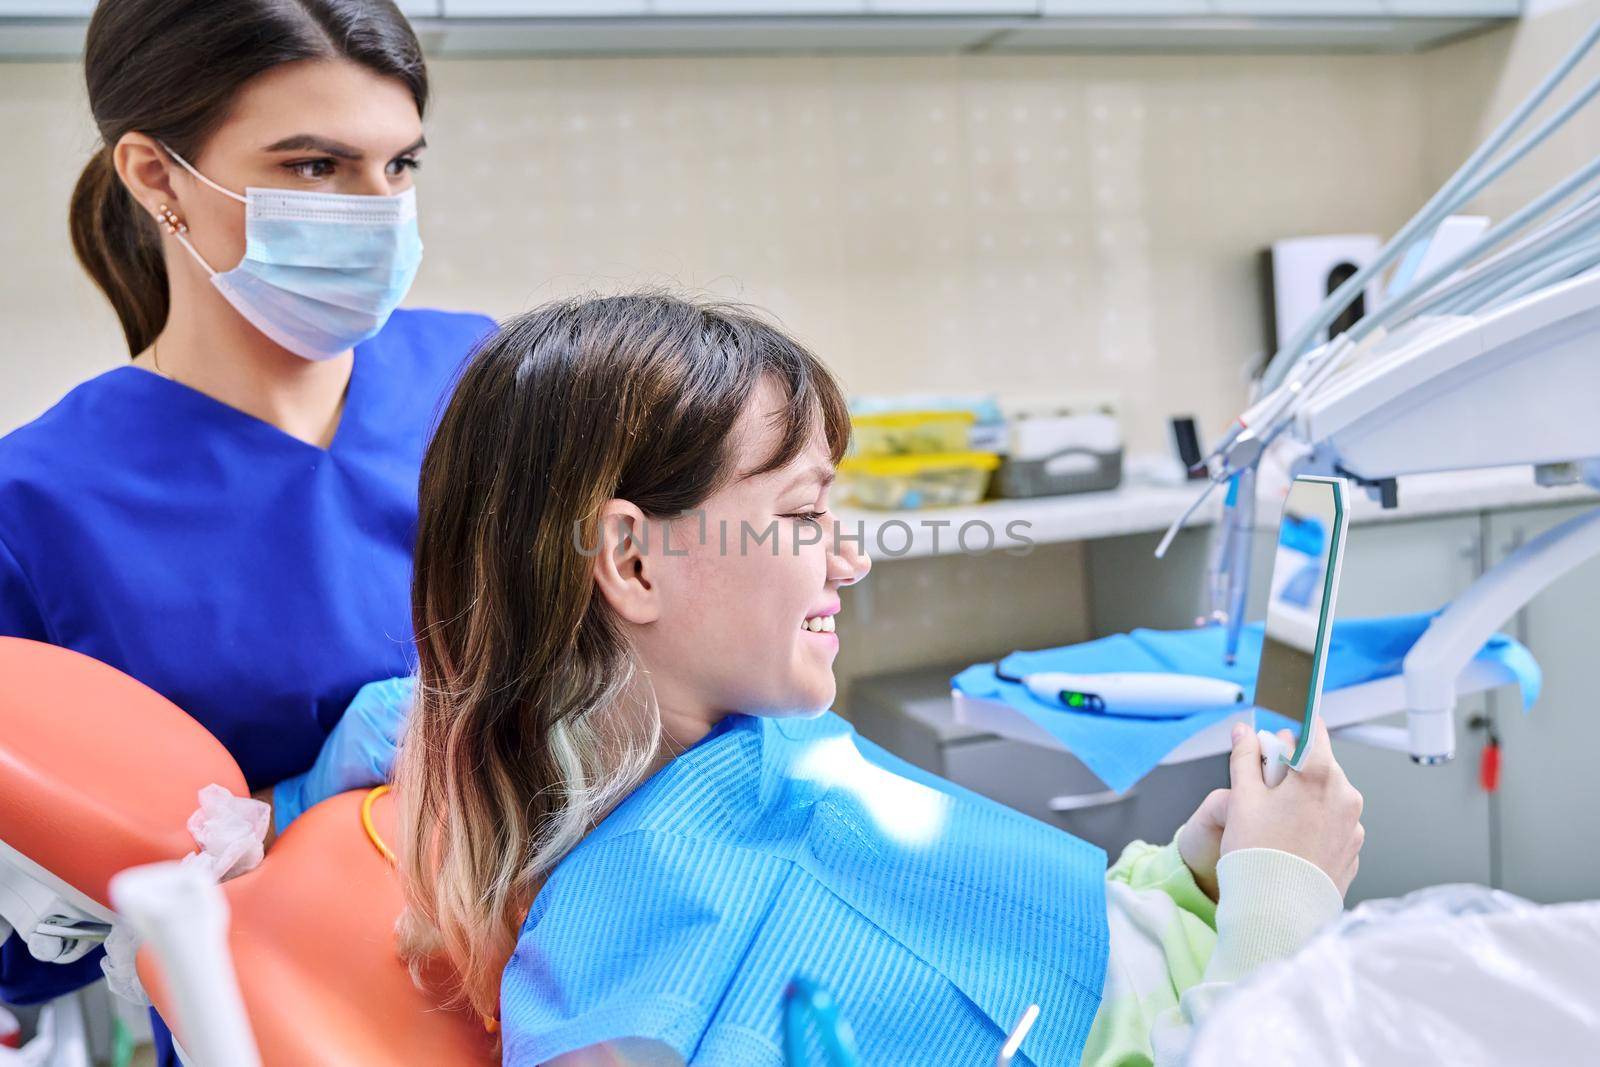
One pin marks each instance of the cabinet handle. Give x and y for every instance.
(1090, 800)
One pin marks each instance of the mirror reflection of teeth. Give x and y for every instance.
(818, 624)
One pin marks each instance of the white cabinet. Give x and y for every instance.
(1425, 825)
(1124, 8)
(1299, 8)
(1548, 807)
(844, 7)
(543, 8)
(40, 29)
(1456, 8)
(1539, 835)
(47, 9)
(764, 8)
(953, 7)
(1288, 8)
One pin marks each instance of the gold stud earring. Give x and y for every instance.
(169, 218)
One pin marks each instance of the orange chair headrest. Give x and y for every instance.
(97, 771)
(313, 941)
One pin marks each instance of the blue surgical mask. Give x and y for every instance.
(321, 272)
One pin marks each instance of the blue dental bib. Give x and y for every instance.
(778, 848)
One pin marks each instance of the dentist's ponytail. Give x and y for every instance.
(120, 249)
(171, 69)
(531, 721)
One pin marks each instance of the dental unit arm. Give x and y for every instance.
(1485, 360)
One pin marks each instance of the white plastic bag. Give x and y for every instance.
(231, 832)
(61, 1038)
(1455, 974)
(119, 965)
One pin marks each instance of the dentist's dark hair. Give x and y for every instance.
(529, 723)
(171, 69)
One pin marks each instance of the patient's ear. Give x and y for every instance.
(622, 563)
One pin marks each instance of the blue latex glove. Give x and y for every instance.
(359, 752)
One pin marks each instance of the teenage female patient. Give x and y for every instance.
(631, 820)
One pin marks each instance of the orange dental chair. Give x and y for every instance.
(98, 773)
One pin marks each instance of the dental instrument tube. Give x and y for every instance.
(1333, 306)
(1019, 1034)
(183, 915)
(1216, 582)
(1493, 237)
(1522, 279)
(1456, 191)
(1410, 299)
(1265, 414)
(1442, 203)
(1580, 262)
(1549, 238)
(1178, 523)
(1472, 288)
(1553, 252)
(1244, 518)
(1270, 415)
(806, 1004)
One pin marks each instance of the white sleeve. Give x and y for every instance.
(1269, 903)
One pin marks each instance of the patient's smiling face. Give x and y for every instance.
(744, 615)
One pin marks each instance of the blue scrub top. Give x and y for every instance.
(253, 579)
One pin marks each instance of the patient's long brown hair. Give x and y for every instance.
(528, 728)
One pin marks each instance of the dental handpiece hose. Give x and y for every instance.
(1243, 510)
(1455, 191)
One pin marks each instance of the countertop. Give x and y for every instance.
(1134, 509)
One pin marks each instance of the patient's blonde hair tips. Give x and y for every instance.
(531, 722)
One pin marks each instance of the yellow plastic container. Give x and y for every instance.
(934, 480)
(902, 433)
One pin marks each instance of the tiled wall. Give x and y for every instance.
(1034, 223)
(1062, 223)
(1080, 224)
(1471, 86)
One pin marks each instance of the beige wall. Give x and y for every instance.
(1080, 223)
(1471, 86)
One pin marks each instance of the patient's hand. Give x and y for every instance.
(1315, 813)
(1200, 840)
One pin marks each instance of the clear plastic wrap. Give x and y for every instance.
(1457, 974)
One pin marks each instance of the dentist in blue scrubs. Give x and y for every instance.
(230, 517)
